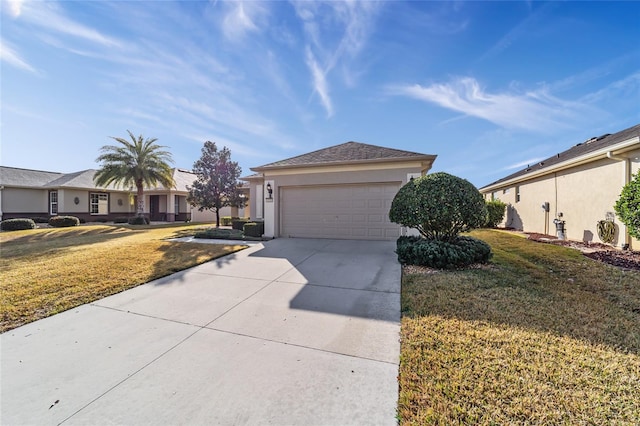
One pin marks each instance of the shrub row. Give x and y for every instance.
(138, 220)
(238, 223)
(17, 224)
(213, 233)
(463, 251)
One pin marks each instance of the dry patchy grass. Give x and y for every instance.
(544, 336)
(46, 271)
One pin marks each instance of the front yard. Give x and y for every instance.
(46, 271)
(543, 335)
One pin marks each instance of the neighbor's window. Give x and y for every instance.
(99, 203)
(53, 202)
(517, 194)
(505, 191)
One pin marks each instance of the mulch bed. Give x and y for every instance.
(626, 259)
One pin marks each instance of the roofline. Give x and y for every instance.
(421, 157)
(619, 148)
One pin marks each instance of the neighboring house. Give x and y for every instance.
(579, 186)
(344, 191)
(35, 193)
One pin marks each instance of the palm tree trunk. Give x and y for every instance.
(140, 203)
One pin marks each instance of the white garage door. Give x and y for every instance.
(338, 211)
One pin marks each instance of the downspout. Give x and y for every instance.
(627, 179)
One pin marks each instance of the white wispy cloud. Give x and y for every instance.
(49, 16)
(11, 57)
(521, 164)
(534, 110)
(14, 7)
(319, 82)
(354, 21)
(242, 18)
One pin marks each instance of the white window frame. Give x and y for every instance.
(99, 201)
(53, 202)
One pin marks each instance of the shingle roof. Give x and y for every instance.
(348, 152)
(13, 176)
(579, 150)
(25, 178)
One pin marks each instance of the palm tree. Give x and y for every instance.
(140, 162)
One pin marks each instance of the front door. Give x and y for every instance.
(154, 207)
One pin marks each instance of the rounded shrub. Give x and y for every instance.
(138, 220)
(253, 229)
(64, 221)
(439, 206)
(462, 251)
(17, 224)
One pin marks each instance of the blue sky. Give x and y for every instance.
(487, 86)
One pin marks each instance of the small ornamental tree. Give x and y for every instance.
(495, 213)
(217, 185)
(440, 206)
(628, 206)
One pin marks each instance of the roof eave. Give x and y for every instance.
(617, 149)
(421, 158)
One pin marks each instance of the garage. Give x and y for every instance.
(357, 211)
(343, 191)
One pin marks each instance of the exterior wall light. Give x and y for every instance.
(269, 191)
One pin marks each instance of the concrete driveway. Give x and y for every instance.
(290, 331)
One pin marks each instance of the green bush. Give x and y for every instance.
(226, 220)
(121, 219)
(100, 219)
(213, 233)
(238, 223)
(40, 219)
(462, 251)
(495, 213)
(253, 229)
(64, 221)
(138, 220)
(17, 224)
(628, 206)
(439, 206)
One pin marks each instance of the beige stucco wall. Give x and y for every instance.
(583, 194)
(67, 199)
(19, 200)
(125, 207)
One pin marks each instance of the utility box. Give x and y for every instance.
(560, 230)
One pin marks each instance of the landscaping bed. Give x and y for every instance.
(626, 259)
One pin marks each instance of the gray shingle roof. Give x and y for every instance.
(13, 176)
(348, 152)
(25, 178)
(592, 145)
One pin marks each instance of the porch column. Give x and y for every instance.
(171, 204)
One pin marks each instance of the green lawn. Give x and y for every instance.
(46, 271)
(543, 335)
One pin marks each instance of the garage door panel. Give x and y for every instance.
(340, 211)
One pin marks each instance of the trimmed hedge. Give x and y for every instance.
(40, 219)
(238, 223)
(17, 224)
(214, 233)
(253, 229)
(121, 219)
(226, 220)
(64, 221)
(463, 251)
(138, 220)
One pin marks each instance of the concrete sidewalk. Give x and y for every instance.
(290, 331)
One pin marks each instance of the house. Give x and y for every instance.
(578, 186)
(344, 191)
(36, 193)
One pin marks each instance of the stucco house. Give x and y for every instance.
(343, 191)
(578, 186)
(35, 193)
